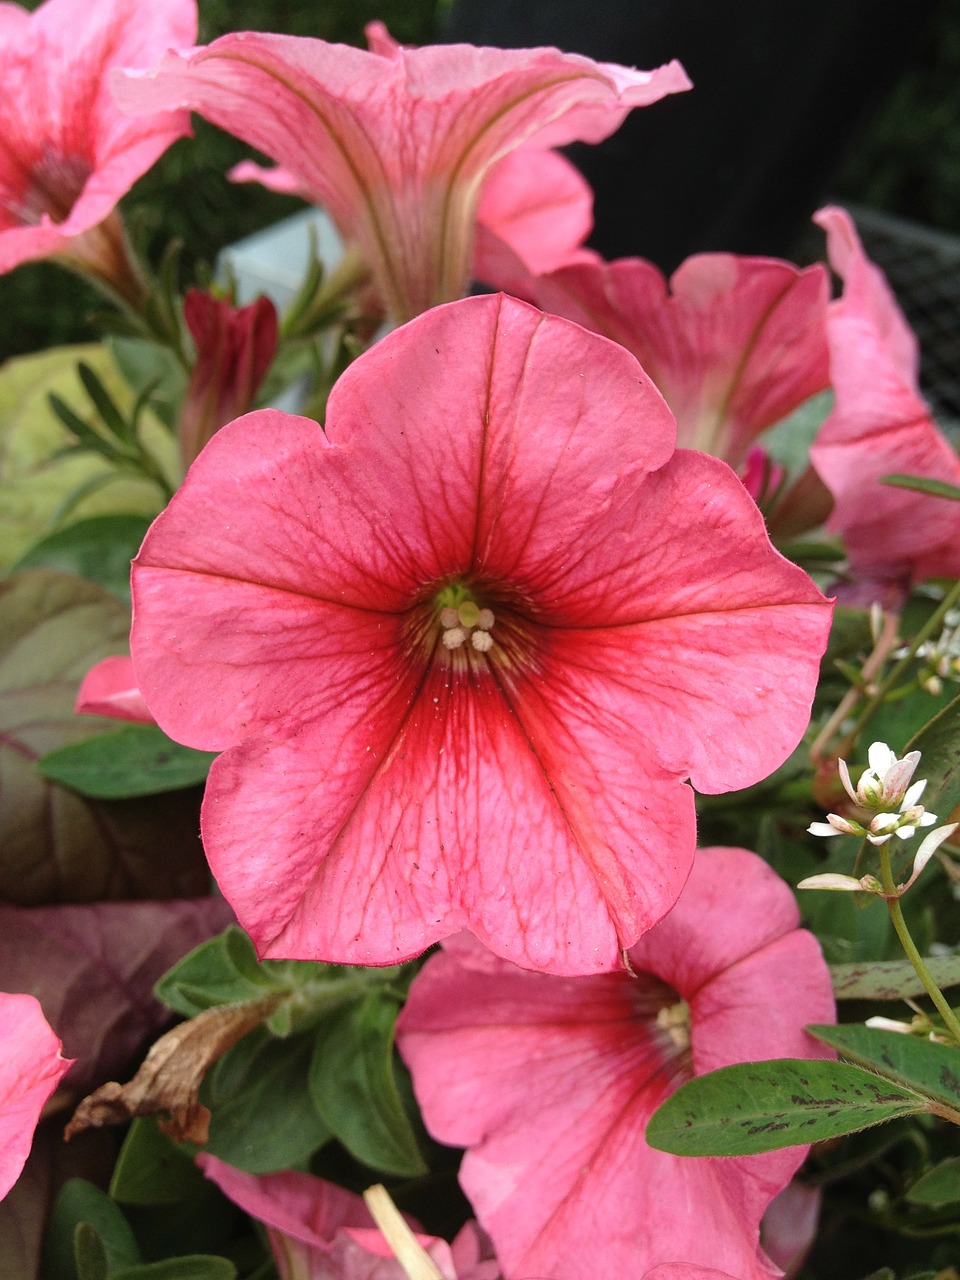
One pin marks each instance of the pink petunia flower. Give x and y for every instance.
(31, 1066)
(234, 347)
(395, 143)
(734, 344)
(462, 650)
(319, 1231)
(110, 689)
(550, 1082)
(881, 426)
(67, 152)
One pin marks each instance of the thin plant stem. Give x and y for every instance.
(913, 955)
(885, 642)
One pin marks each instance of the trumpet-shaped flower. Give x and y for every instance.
(31, 1066)
(462, 650)
(395, 143)
(319, 1231)
(734, 344)
(549, 1082)
(67, 152)
(881, 426)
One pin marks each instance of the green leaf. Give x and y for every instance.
(80, 1204)
(194, 1267)
(103, 402)
(940, 1185)
(151, 1169)
(929, 1068)
(920, 484)
(224, 970)
(99, 548)
(891, 979)
(761, 1106)
(264, 1118)
(137, 760)
(353, 1085)
(89, 1254)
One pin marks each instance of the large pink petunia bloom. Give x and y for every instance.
(462, 650)
(67, 152)
(550, 1082)
(734, 344)
(881, 426)
(31, 1066)
(319, 1231)
(396, 142)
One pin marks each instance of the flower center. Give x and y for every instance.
(53, 184)
(674, 1019)
(463, 619)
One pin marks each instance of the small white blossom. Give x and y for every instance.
(885, 797)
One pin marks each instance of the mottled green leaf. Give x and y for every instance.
(921, 1065)
(762, 1106)
(939, 744)
(891, 979)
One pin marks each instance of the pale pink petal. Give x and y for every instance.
(387, 795)
(110, 689)
(549, 1082)
(270, 176)
(535, 212)
(684, 1271)
(790, 1225)
(31, 1066)
(67, 153)
(881, 426)
(395, 142)
(734, 344)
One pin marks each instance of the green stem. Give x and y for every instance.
(876, 700)
(909, 946)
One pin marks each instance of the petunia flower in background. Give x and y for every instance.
(734, 344)
(880, 426)
(319, 1231)
(462, 650)
(395, 143)
(67, 152)
(110, 689)
(549, 1083)
(31, 1066)
(234, 348)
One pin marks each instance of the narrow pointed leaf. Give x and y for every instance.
(752, 1107)
(103, 402)
(138, 760)
(928, 1068)
(891, 979)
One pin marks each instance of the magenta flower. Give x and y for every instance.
(67, 152)
(550, 1082)
(31, 1066)
(881, 426)
(319, 1231)
(733, 344)
(234, 349)
(396, 142)
(462, 650)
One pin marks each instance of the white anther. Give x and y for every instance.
(485, 619)
(454, 638)
(449, 618)
(482, 641)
